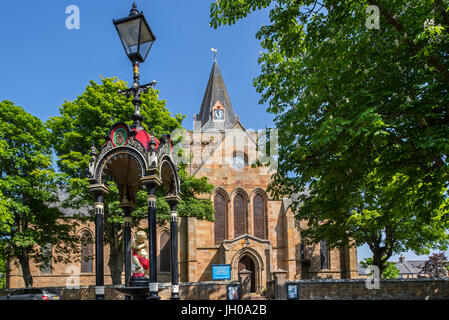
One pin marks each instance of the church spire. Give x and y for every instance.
(216, 109)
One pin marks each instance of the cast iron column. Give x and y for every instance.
(173, 202)
(151, 182)
(127, 238)
(127, 249)
(174, 254)
(99, 255)
(99, 191)
(137, 117)
(152, 242)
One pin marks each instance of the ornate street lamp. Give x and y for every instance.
(149, 164)
(135, 159)
(137, 39)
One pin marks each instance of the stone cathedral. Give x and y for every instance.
(251, 230)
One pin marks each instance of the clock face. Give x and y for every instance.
(219, 114)
(237, 162)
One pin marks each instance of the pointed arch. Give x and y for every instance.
(257, 260)
(260, 191)
(239, 190)
(247, 251)
(222, 191)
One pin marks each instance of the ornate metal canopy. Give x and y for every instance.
(129, 156)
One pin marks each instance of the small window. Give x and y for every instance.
(302, 251)
(164, 251)
(86, 252)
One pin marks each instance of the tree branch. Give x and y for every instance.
(440, 8)
(416, 46)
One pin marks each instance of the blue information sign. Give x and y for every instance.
(221, 272)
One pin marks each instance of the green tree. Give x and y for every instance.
(5, 218)
(88, 118)
(362, 114)
(3, 267)
(390, 271)
(29, 192)
(2, 274)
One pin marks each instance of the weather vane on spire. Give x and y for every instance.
(215, 52)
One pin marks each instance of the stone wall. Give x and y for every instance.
(210, 290)
(389, 289)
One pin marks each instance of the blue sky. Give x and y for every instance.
(42, 63)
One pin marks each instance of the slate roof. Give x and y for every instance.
(215, 90)
(410, 266)
(294, 197)
(405, 267)
(361, 271)
(417, 264)
(68, 212)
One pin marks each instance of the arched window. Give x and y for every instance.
(324, 255)
(220, 218)
(259, 217)
(164, 253)
(86, 252)
(240, 225)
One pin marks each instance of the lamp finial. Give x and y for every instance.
(134, 10)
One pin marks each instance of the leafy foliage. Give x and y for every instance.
(390, 271)
(2, 268)
(29, 191)
(362, 115)
(436, 266)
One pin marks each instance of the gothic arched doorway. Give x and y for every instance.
(247, 263)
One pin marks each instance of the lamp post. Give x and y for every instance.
(137, 39)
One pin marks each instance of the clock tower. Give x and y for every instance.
(216, 109)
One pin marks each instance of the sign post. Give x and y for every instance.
(221, 272)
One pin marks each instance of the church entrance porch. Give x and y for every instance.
(250, 253)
